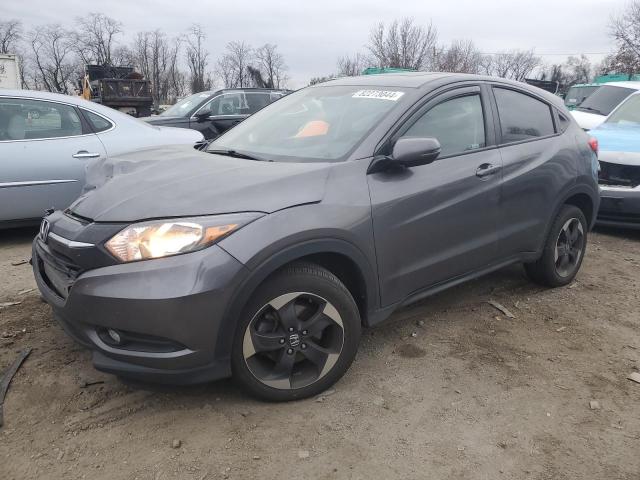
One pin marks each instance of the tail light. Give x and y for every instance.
(593, 145)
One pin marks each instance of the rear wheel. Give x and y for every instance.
(298, 335)
(563, 250)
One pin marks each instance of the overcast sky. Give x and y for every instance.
(313, 34)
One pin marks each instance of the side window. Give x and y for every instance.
(212, 107)
(234, 103)
(99, 124)
(23, 119)
(563, 122)
(458, 124)
(256, 101)
(522, 117)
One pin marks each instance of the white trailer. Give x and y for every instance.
(9, 71)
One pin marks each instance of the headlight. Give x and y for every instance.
(156, 239)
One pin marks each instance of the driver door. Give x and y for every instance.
(436, 222)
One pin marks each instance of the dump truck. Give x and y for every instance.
(9, 71)
(121, 88)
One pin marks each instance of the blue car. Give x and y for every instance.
(619, 177)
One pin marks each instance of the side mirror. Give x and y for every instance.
(203, 116)
(414, 151)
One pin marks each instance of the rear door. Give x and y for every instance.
(44, 148)
(436, 222)
(537, 165)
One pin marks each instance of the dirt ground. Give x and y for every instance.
(472, 395)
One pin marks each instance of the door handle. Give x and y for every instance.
(487, 169)
(85, 154)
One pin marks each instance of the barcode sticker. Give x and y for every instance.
(378, 94)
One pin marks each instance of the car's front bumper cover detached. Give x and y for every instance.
(157, 320)
(619, 180)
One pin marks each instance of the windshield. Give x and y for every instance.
(628, 113)
(576, 95)
(184, 106)
(605, 99)
(313, 124)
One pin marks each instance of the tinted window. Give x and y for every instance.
(522, 117)
(605, 99)
(458, 124)
(98, 123)
(22, 119)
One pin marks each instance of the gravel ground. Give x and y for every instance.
(450, 388)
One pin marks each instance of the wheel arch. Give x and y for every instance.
(581, 196)
(340, 257)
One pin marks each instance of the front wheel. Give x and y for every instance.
(298, 335)
(563, 250)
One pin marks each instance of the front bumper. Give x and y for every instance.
(168, 311)
(619, 207)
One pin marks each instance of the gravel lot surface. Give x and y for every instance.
(450, 388)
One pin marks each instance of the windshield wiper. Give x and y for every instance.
(236, 154)
(590, 109)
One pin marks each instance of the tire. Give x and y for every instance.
(549, 270)
(274, 361)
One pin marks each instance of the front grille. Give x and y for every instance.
(615, 174)
(57, 270)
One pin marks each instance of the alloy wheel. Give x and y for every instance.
(569, 247)
(293, 341)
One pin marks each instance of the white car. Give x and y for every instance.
(597, 106)
(48, 142)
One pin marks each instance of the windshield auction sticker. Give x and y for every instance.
(378, 94)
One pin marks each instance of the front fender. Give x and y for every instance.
(269, 243)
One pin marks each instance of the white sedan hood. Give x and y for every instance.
(587, 120)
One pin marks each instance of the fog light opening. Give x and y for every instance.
(115, 336)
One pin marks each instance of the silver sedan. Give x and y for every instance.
(49, 141)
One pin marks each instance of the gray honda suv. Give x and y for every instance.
(265, 256)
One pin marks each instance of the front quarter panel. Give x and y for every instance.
(340, 223)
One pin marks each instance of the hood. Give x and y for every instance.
(618, 143)
(587, 120)
(617, 137)
(162, 120)
(181, 182)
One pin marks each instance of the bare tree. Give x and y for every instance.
(151, 52)
(624, 60)
(197, 58)
(516, 64)
(461, 56)
(271, 64)
(176, 79)
(10, 35)
(574, 70)
(317, 80)
(625, 29)
(351, 66)
(52, 56)
(233, 65)
(96, 38)
(403, 44)
(225, 71)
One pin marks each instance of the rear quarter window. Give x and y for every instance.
(98, 123)
(522, 117)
